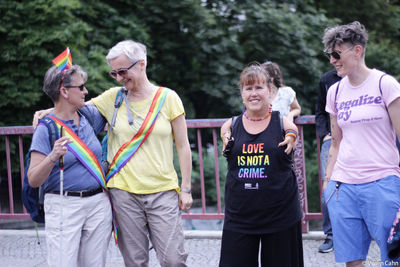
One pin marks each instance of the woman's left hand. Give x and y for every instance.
(185, 200)
(290, 142)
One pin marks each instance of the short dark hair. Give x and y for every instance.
(53, 77)
(353, 33)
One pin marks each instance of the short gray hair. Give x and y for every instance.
(353, 33)
(53, 77)
(133, 50)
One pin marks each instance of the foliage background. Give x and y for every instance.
(196, 47)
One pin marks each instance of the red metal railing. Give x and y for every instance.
(198, 125)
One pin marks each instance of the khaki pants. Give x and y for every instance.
(86, 229)
(152, 216)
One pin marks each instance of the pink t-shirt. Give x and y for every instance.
(368, 149)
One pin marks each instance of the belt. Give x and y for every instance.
(84, 193)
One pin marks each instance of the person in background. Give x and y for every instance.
(362, 180)
(85, 208)
(322, 123)
(283, 97)
(261, 193)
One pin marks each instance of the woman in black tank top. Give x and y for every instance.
(261, 195)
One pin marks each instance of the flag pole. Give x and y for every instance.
(61, 163)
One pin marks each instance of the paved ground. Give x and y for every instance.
(19, 248)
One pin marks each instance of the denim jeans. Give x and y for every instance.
(324, 158)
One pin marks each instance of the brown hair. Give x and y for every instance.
(253, 73)
(274, 72)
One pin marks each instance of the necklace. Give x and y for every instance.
(260, 119)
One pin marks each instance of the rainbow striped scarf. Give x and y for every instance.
(83, 153)
(127, 150)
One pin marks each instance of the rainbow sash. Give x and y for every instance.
(83, 153)
(127, 150)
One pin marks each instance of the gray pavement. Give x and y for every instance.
(19, 248)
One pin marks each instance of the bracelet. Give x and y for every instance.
(225, 134)
(54, 161)
(184, 190)
(290, 132)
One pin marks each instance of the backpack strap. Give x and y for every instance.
(86, 113)
(53, 136)
(281, 124)
(336, 92)
(117, 104)
(51, 128)
(104, 143)
(234, 120)
(380, 89)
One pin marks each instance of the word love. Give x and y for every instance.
(253, 148)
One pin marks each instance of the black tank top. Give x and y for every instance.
(261, 193)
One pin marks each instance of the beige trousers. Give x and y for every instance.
(86, 229)
(155, 217)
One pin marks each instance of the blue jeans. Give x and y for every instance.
(327, 227)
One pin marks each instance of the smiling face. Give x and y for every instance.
(76, 96)
(255, 97)
(343, 58)
(255, 89)
(132, 73)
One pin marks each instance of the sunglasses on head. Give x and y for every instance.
(336, 54)
(81, 87)
(122, 71)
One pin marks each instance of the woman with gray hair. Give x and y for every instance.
(144, 188)
(362, 182)
(84, 209)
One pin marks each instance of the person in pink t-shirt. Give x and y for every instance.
(362, 181)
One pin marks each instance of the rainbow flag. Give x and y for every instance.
(63, 61)
(127, 150)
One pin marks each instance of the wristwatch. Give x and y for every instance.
(189, 191)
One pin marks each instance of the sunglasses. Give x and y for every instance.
(81, 87)
(122, 71)
(335, 54)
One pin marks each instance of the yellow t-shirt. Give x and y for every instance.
(151, 168)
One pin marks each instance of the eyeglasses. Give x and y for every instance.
(335, 54)
(122, 71)
(81, 87)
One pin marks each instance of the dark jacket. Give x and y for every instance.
(322, 120)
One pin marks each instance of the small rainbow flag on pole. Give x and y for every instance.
(63, 61)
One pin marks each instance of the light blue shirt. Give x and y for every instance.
(76, 176)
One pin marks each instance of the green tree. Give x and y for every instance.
(29, 42)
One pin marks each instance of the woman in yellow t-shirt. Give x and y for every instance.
(145, 192)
